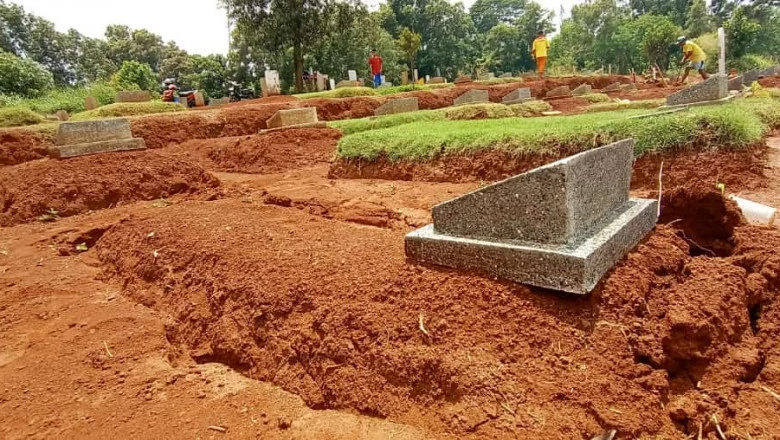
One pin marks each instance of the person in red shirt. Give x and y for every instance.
(376, 67)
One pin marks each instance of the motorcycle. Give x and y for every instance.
(236, 92)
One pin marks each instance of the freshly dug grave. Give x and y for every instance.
(48, 189)
(743, 170)
(333, 312)
(18, 146)
(266, 153)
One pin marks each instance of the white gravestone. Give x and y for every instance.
(272, 83)
(352, 75)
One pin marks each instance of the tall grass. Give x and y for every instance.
(18, 116)
(70, 99)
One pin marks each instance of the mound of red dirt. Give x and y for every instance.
(333, 312)
(88, 183)
(272, 152)
(18, 146)
(738, 170)
(331, 109)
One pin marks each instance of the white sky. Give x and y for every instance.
(197, 26)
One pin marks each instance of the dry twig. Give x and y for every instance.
(422, 325)
(771, 393)
(717, 427)
(218, 428)
(660, 186)
(107, 350)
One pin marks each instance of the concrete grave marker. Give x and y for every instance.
(463, 79)
(404, 78)
(582, 89)
(559, 92)
(62, 115)
(628, 87)
(712, 89)
(722, 53)
(614, 87)
(416, 75)
(347, 83)
(332, 83)
(401, 105)
(561, 226)
(263, 87)
(133, 96)
(517, 96)
(750, 77)
(769, 71)
(491, 75)
(506, 75)
(200, 100)
(352, 75)
(437, 80)
(427, 79)
(294, 117)
(736, 83)
(473, 96)
(91, 103)
(272, 82)
(215, 102)
(91, 137)
(321, 82)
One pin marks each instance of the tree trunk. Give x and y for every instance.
(298, 56)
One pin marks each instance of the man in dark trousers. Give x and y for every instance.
(376, 67)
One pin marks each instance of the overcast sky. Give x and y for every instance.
(197, 26)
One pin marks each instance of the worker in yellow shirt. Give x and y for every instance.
(539, 52)
(694, 56)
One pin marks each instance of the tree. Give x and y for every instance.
(281, 24)
(487, 14)
(741, 33)
(125, 44)
(676, 10)
(649, 39)
(504, 48)
(699, 21)
(23, 77)
(133, 73)
(409, 42)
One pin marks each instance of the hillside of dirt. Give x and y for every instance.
(332, 312)
(21, 145)
(265, 153)
(53, 188)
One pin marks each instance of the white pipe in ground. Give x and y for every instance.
(755, 212)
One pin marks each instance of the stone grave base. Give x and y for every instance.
(700, 103)
(517, 101)
(75, 150)
(574, 269)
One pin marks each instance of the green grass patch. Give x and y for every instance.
(496, 81)
(625, 105)
(729, 126)
(129, 109)
(595, 98)
(348, 92)
(478, 111)
(531, 108)
(352, 126)
(18, 117)
(70, 99)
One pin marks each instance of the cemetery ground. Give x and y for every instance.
(228, 284)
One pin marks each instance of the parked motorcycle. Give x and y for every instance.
(237, 92)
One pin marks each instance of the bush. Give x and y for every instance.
(750, 62)
(23, 77)
(18, 116)
(530, 108)
(478, 111)
(70, 99)
(134, 74)
(597, 97)
(129, 109)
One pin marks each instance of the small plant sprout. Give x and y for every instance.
(82, 247)
(161, 203)
(50, 216)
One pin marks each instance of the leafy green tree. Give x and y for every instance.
(528, 25)
(450, 44)
(125, 44)
(741, 33)
(280, 24)
(487, 14)
(23, 76)
(505, 48)
(207, 73)
(647, 40)
(88, 58)
(676, 10)
(133, 73)
(699, 21)
(590, 34)
(410, 42)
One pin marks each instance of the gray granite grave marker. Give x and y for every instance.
(561, 226)
(473, 97)
(736, 83)
(712, 89)
(582, 89)
(517, 96)
(559, 92)
(401, 105)
(90, 137)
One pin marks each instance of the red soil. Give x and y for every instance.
(264, 153)
(20, 145)
(90, 183)
(742, 170)
(344, 108)
(332, 311)
(772, 81)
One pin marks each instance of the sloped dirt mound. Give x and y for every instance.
(333, 312)
(265, 153)
(81, 184)
(18, 146)
(332, 109)
(249, 119)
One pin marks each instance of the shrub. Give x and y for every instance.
(750, 62)
(18, 116)
(22, 76)
(133, 73)
(70, 99)
(530, 108)
(478, 111)
(597, 97)
(129, 109)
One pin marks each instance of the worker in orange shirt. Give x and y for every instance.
(539, 52)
